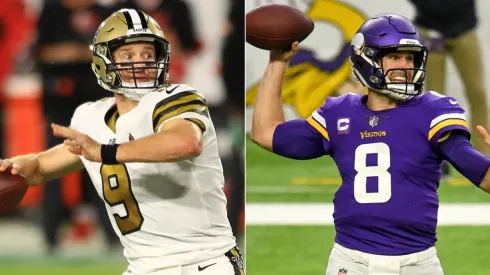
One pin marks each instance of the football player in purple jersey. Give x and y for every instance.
(388, 146)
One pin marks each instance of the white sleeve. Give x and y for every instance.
(77, 118)
(184, 102)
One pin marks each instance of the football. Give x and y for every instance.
(277, 26)
(12, 191)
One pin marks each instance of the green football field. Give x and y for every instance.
(15, 265)
(301, 248)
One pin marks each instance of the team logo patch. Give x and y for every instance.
(373, 121)
(342, 271)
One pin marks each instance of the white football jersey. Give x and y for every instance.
(166, 214)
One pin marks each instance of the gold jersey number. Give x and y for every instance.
(117, 191)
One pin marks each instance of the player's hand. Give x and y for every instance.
(7, 164)
(284, 55)
(25, 165)
(483, 132)
(78, 143)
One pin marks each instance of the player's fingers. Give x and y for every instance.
(69, 142)
(295, 46)
(483, 132)
(5, 164)
(15, 169)
(62, 131)
(75, 150)
(72, 150)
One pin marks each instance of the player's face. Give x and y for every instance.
(136, 52)
(399, 60)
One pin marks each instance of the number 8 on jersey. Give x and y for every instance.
(379, 171)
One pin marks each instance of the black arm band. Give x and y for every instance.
(108, 153)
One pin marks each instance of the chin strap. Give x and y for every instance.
(130, 92)
(134, 94)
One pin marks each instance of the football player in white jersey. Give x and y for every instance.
(152, 154)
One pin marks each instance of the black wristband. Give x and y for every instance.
(108, 153)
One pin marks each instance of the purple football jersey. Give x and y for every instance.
(390, 168)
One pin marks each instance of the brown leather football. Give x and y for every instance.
(12, 191)
(277, 26)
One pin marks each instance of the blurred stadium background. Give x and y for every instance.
(289, 211)
(45, 73)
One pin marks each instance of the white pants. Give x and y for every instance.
(345, 261)
(227, 264)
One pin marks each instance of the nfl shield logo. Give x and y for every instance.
(342, 271)
(373, 121)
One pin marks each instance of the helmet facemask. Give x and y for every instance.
(113, 71)
(414, 77)
(367, 67)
